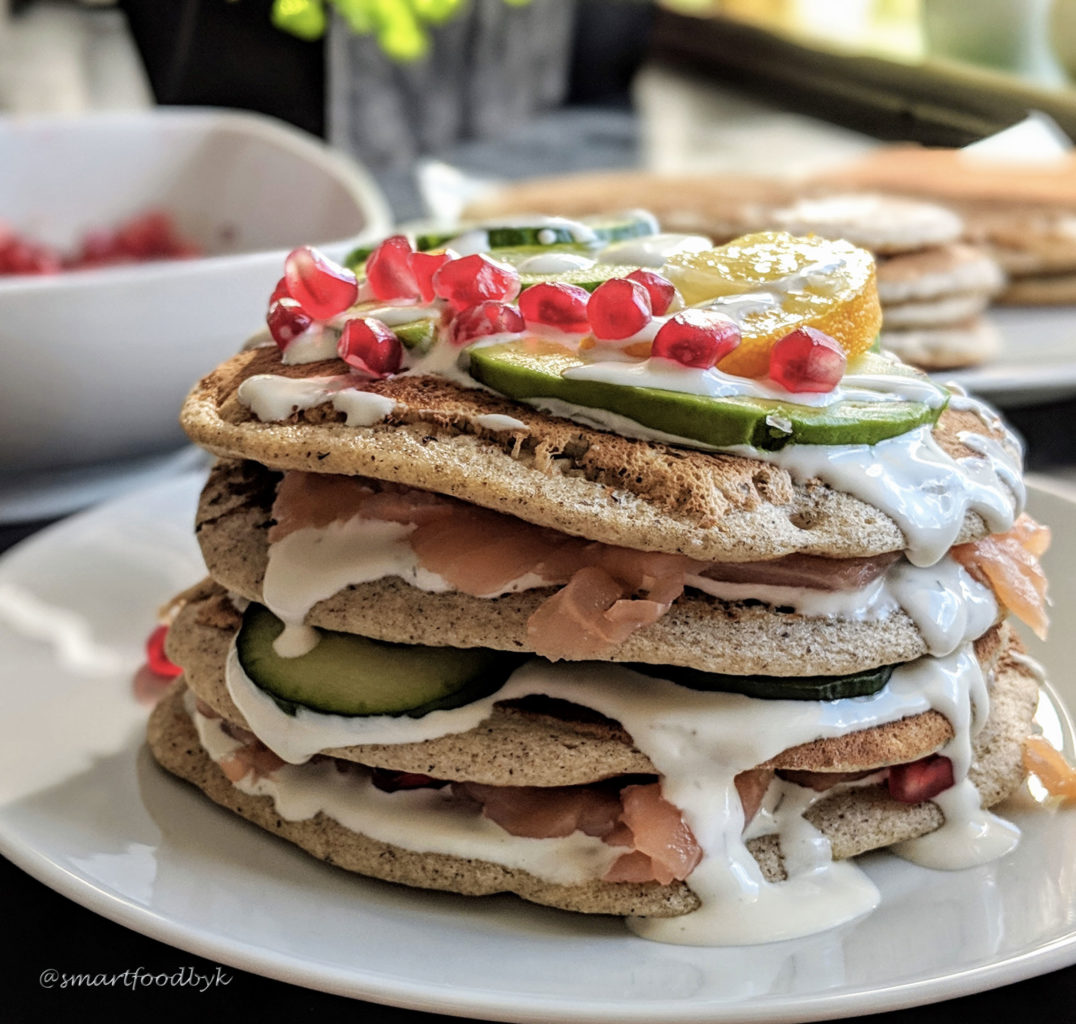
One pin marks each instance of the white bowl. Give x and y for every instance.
(95, 363)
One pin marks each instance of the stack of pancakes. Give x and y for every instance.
(934, 282)
(411, 800)
(1021, 212)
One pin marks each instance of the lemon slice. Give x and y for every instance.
(771, 282)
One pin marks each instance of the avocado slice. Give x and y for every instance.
(859, 684)
(533, 369)
(347, 674)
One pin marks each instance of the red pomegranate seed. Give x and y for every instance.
(484, 319)
(423, 266)
(807, 359)
(22, 257)
(323, 288)
(157, 661)
(470, 280)
(660, 289)
(370, 347)
(921, 780)
(388, 270)
(696, 337)
(618, 309)
(556, 304)
(280, 291)
(287, 320)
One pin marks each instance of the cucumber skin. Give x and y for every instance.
(260, 628)
(860, 684)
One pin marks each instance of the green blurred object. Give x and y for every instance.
(398, 25)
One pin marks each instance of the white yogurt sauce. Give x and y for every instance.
(652, 250)
(423, 820)
(499, 422)
(554, 263)
(311, 564)
(697, 742)
(924, 490)
(273, 398)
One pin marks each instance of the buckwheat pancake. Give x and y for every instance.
(699, 631)
(852, 820)
(539, 742)
(949, 347)
(648, 495)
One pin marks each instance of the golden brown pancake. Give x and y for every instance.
(556, 473)
(541, 743)
(854, 820)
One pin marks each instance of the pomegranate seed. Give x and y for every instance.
(807, 360)
(424, 265)
(660, 289)
(280, 291)
(159, 662)
(484, 319)
(921, 780)
(696, 337)
(556, 304)
(22, 257)
(370, 347)
(287, 320)
(618, 309)
(323, 288)
(389, 272)
(470, 280)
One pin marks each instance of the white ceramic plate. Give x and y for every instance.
(1037, 361)
(98, 822)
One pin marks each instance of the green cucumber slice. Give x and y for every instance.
(347, 674)
(605, 228)
(859, 684)
(534, 369)
(585, 277)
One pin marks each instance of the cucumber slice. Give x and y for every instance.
(585, 277)
(354, 675)
(860, 684)
(621, 226)
(515, 233)
(534, 370)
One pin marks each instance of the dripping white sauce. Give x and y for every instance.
(311, 564)
(697, 742)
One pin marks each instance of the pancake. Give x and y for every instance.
(699, 631)
(854, 820)
(950, 347)
(541, 743)
(646, 495)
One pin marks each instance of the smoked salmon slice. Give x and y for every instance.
(1009, 564)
